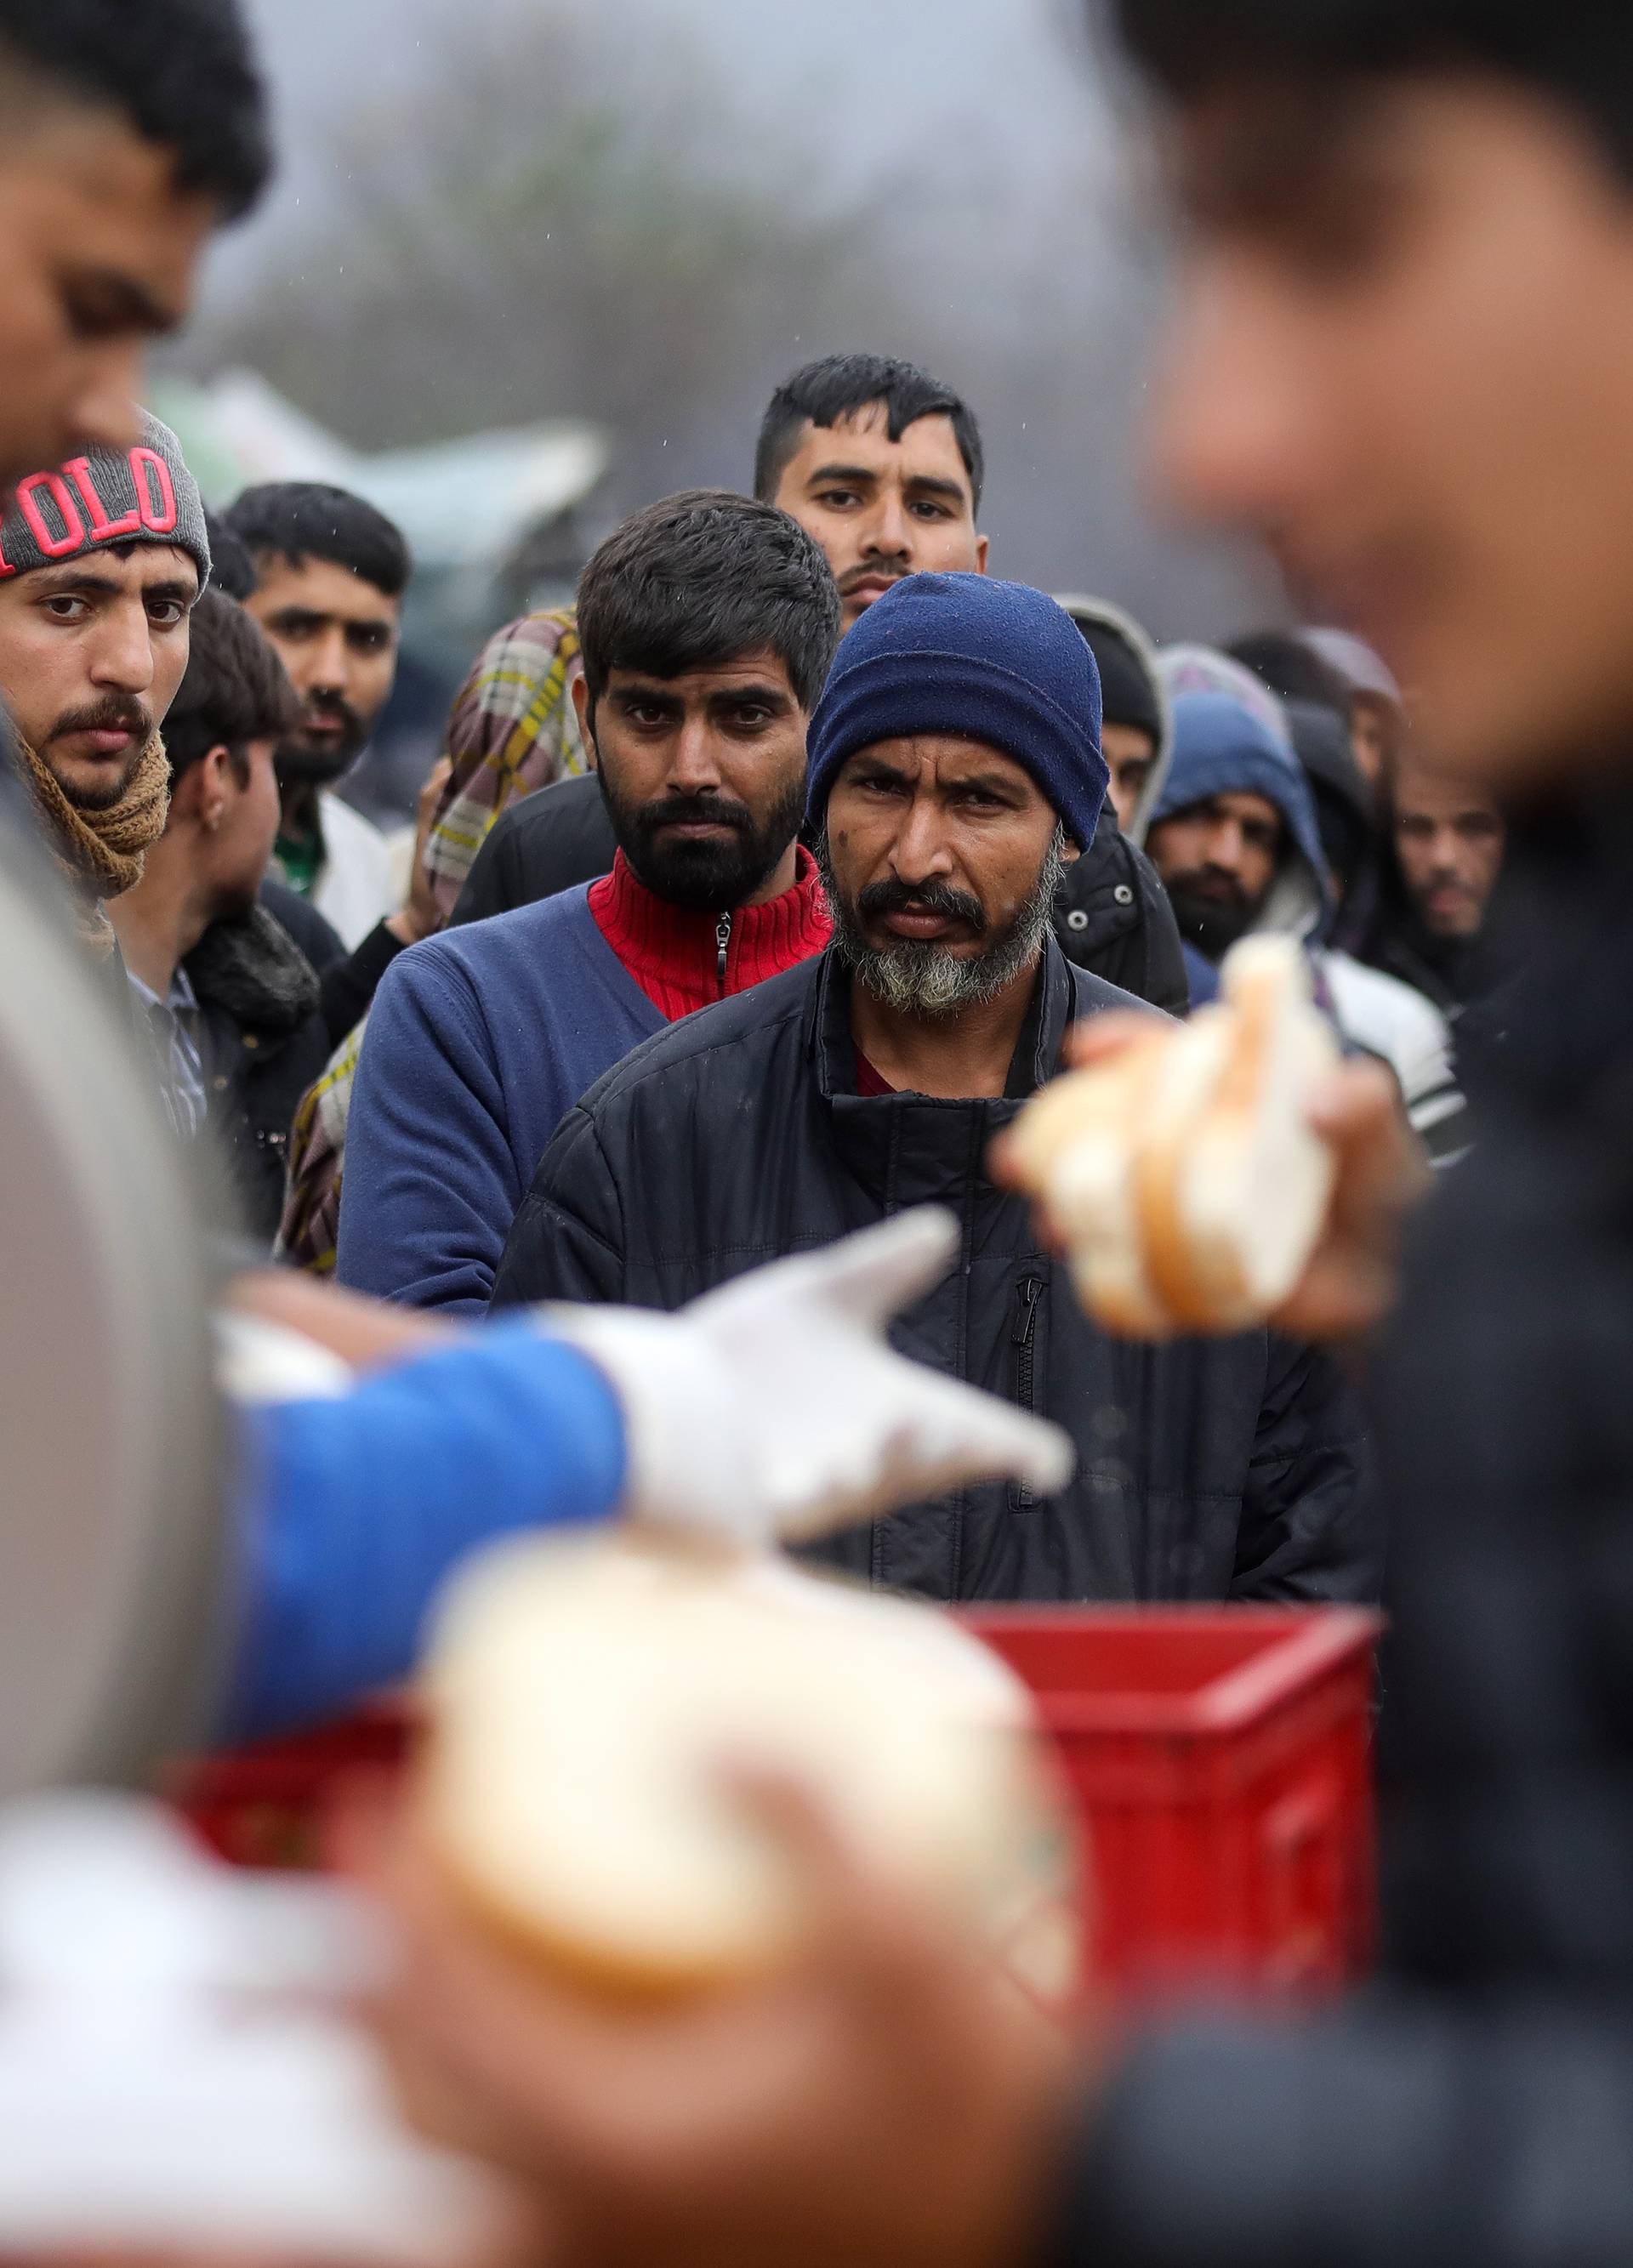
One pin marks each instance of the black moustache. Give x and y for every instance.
(881, 898)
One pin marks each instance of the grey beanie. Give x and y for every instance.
(143, 495)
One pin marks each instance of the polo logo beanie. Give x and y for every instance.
(991, 661)
(143, 495)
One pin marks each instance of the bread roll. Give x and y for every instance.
(585, 1697)
(1184, 1173)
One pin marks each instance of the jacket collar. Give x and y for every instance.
(664, 944)
(912, 1149)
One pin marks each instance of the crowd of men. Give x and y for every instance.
(801, 776)
(749, 898)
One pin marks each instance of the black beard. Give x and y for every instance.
(299, 764)
(703, 877)
(925, 978)
(1211, 924)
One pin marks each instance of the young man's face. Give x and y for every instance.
(337, 637)
(1449, 843)
(97, 256)
(1129, 752)
(882, 509)
(1217, 859)
(937, 855)
(1406, 358)
(703, 776)
(91, 654)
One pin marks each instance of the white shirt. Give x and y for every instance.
(357, 885)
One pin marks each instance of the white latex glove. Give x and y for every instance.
(774, 1408)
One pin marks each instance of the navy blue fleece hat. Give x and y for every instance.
(995, 662)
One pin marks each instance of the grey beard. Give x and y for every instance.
(930, 982)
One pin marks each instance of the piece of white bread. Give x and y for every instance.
(1183, 1172)
(586, 1698)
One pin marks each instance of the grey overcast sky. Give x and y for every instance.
(986, 107)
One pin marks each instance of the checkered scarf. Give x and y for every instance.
(514, 728)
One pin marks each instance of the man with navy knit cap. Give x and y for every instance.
(955, 769)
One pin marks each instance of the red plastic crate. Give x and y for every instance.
(263, 1806)
(1221, 1758)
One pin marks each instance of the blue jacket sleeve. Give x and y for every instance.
(352, 1511)
(430, 1186)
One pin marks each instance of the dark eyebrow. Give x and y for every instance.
(186, 592)
(933, 484)
(75, 582)
(841, 473)
(124, 303)
(989, 784)
(769, 695)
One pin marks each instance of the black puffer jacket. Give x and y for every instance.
(1113, 915)
(1229, 1470)
(264, 1043)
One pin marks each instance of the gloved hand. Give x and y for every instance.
(774, 1408)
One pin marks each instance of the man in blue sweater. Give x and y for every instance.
(707, 625)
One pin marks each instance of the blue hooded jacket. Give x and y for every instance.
(1222, 748)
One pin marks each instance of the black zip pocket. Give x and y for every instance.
(1024, 1342)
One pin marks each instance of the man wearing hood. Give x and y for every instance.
(1235, 837)
(1136, 733)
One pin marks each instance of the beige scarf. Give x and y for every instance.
(101, 851)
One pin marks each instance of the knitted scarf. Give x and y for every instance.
(101, 851)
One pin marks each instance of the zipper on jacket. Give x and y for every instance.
(1022, 1338)
(722, 945)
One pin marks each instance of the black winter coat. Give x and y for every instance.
(1478, 2107)
(264, 1044)
(1230, 1470)
(1114, 917)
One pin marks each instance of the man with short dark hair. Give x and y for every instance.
(101, 560)
(330, 575)
(956, 769)
(231, 1000)
(882, 464)
(707, 624)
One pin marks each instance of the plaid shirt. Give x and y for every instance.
(514, 728)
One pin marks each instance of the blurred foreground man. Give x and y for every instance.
(1406, 356)
(955, 770)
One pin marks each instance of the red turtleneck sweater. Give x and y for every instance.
(681, 960)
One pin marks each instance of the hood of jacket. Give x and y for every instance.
(251, 966)
(1221, 747)
(1100, 614)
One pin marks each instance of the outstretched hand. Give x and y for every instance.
(1350, 1287)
